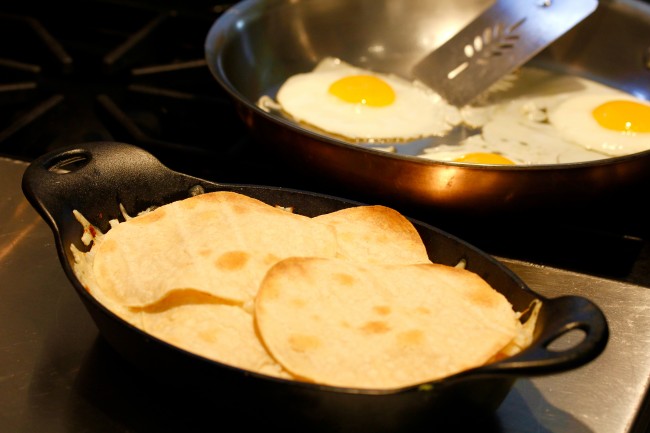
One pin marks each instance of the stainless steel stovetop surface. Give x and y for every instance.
(58, 375)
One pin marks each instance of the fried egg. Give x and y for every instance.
(362, 105)
(614, 125)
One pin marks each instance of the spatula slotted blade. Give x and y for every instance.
(502, 38)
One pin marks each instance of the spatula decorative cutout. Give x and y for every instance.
(501, 39)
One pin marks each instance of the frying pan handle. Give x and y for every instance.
(57, 181)
(559, 316)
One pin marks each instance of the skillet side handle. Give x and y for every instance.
(85, 174)
(557, 317)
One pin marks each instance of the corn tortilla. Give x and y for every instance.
(203, 326)
(348, 324)
(375, 234)
(219, 243)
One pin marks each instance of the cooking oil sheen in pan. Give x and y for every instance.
(534, 117)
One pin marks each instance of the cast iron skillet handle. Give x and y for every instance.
(69, 177)
(559, 316)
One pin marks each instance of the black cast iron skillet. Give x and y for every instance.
(96, 178)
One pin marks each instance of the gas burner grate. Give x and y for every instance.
(131, 72)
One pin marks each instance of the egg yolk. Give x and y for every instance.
(484, 158)
(363, 89)
(623, 116)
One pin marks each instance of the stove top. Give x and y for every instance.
(113, 71)
(134, 71)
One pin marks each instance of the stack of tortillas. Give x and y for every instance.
(348, 298)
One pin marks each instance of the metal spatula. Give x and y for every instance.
(502, 38)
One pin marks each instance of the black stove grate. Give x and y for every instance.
(118, 71)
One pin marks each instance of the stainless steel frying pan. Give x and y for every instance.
(256, 45)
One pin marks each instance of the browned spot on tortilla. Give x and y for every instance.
(380, 237)
(497, 357)
(347, 237)
(344, 279)
(382, 310)
(208, 337)
(271, 291)
(239, 209)
(270, 259)
(150, 217)
(213, 196)
(413, 336)
(205, 252)
(482, 298)
(189, 203)
(108, 246)
(179, 297)
(375, 327)
(232, 260)
(303, 343)
(298, 302)
(423, 310)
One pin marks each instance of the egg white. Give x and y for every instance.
(416, 112)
